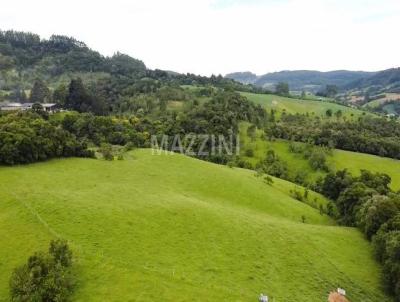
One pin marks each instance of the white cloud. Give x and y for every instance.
(220, 36)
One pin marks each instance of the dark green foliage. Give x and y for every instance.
(334, 183)
(6, 62)
(338, 114)
(377, 136)
(40, 93)
(282, 88)
(328, 113)
(296, 194)
(376, 211)
(45, 277)
(350, 200)
(106, 151)
(378, 181)
(27, 138)
(102, 129)
(249, 153)
(367, 201)
(387, 251)
(252, 132)
(80, 99)
(60, 252)
(273, 165)
(379, 240)
(316, 158)
(123, 64)
(329, 91)
(60, 94)
(296, 147)
(268, 180)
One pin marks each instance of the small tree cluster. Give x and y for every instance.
(45, 276)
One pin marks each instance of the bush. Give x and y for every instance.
(268, 180)
(297, 195)
(45, 276)
(249, 153)
(106, 152)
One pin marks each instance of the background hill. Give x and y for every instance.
(299, 80)
(388, 79)
(150, 228)
(26, 59)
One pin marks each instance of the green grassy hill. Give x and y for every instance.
(292, 105)
(173, 228)
(339, 160)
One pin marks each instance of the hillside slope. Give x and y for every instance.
(292, 105)
(172, 228)
(389, 78)
(339, 160)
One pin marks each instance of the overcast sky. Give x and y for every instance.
(221, 36)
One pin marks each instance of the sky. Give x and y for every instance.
(222, 36)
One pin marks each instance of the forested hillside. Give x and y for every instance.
(28, 62)
(389, 79)
(299, 80)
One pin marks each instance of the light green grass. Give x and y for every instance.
(260, 146)
(339, 159)
(375, 103)
(173, 228)
(292, 105)
(357, 161)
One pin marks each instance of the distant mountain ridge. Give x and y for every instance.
(388, 80)
(309, 80)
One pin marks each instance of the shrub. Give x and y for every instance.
(249, 152)
(268, 180)
(45, 276)
(106, 152)
(297, 195)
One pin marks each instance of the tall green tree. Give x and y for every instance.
(60, 94)
(331, 90)
(282, 88)
(40, 93)
(78, 98)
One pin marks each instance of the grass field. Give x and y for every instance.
(173, 228)
(339, 160)
(356, 161)
(260, 146)
(291, 105)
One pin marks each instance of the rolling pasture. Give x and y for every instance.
(339, 159)
(292, 105)
(173, 228)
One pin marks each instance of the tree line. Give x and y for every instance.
(31, 136)
(372, 135)
(366, 201)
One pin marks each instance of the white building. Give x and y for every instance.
(6, 106)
